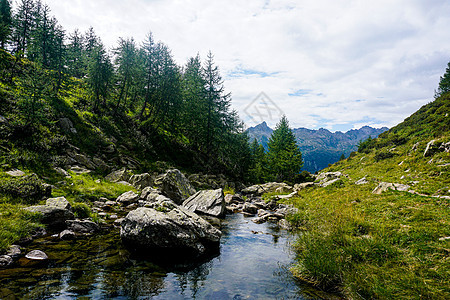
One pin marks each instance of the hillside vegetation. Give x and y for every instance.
(392, 245)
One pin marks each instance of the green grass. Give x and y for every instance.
(15, 223)
(388, 246)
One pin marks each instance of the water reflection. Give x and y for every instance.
(253, 264)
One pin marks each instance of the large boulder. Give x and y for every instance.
(208, 202)
(328, 176)
(128, 198)
(269, 187)
(168, 227)
(141, 181)
(51, 215)
(82, 226)
(175, 186)
(119, 175)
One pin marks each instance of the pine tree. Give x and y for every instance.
(76, 64)
(22, 26)
(5, 22)
(284, 156)
(258, 164)
(444, 83)
(100, 72)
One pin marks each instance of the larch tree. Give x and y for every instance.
(5, 22)
(444, 83)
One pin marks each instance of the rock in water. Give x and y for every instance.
(209, 202)
(168, 227)
(175, 185)
(82, 226)
(36, 255)
(5, 261)
(269, 187)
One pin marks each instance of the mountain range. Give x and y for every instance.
(319, 147)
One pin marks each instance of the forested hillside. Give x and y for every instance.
(63, 89)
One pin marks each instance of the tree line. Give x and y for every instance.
(140, 81)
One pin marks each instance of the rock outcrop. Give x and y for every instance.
(384, 186)
(53, 216)
(168, 227)
(208, 202)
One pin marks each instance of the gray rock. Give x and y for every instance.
(141, 181)
(445, 147)
(79, 170)
(84, 160)
(250, 208)
(15, 173)
(3, 119)
(301, 186)
(14, 251)
(175, 186)
(328, 176)
(5, 261)
(362, 181)
(52, 216)
(209, 202)
(59, 202)
(61, 172)
(119, 175)
(82, 226)
(233, 199)
(36, 255)
(67, 125)
(283, 223)
(128, 198)
(269, 187)
(329, 182)
(431, 148)
(168, 227)
(67, 235)
(384, 186)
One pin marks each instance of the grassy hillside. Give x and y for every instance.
(393, 245)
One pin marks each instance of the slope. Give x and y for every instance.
(372, 242)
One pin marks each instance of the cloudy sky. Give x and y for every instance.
(324, 63)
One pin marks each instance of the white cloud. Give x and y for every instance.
(389, 54)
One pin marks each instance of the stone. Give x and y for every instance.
(362, 181)
(175, 186)
(293, 194)
(3, 119)
(328, 176)
(283, 223)
(330, 182)
(84, 160)
(100, 164)
(67, 125)
(384, 186)
(301, 186)
(14, 251)
(79, 170)
(141, 181)
(82, 226)
(168, 227)
(66, 235)
(269, 187)
(15, 173)
(119, 175)
(208, 202)
(52, 216)
(110, 148)
(128, 198)
(233, 199)
(250, 208)
(5, 261)
(59, 202)
(61, 172)
(36, 255)
(431, 148)
(415, 147)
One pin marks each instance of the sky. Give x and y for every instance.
(330, 64)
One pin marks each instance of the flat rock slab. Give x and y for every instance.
(59, 202)
(16, 173)
(208, 202)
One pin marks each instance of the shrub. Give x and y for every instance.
(81, 210)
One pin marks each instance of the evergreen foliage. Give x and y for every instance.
(5, 22)
(284, 156)
(444, 83)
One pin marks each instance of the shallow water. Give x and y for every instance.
(253, 264)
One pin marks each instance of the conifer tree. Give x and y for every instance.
(284, 156)
(5, 22)
(444, 83)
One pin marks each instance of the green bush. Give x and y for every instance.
(81, 210)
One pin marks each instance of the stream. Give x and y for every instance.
(253, 263)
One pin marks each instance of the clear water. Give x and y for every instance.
(253, 264)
